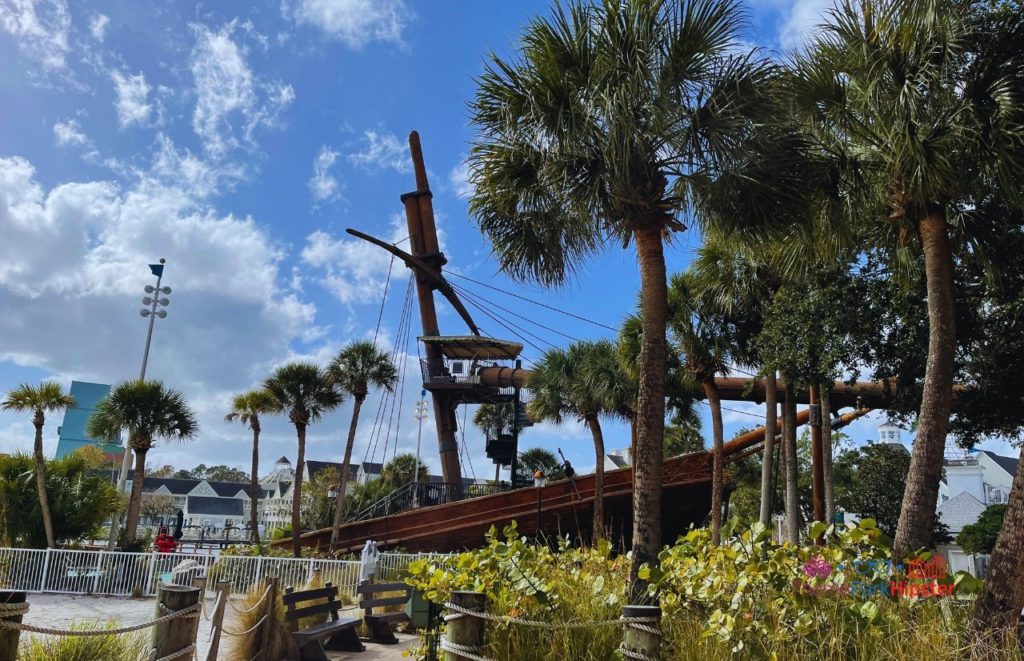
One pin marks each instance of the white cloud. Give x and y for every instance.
(40, 28)
(800, 20)
(353, 270)
(458, 178)
(98, 26)
(352, 22)
(68, 132)
(72, 267)
(324, 185)
(132, 103)
(382, 150)
(232, 103)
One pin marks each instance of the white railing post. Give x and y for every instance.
(259, 570)
(149, 573)
(46, 571)
(99, 572)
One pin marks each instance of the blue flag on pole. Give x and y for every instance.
(157, 269)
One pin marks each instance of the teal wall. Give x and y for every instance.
(72, 429)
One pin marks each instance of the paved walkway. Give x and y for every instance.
(62, 610)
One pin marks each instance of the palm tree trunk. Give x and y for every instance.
(339, 503)
(650, 409)
(595, 431)
(771, 412)
(717, 458)
(300, 464)
(790, 458)
(922, 491)
(1000, 604)
(44, 502)
(254, 482)
(826, 452)
(135, 501)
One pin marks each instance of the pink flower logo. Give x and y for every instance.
(817, 568)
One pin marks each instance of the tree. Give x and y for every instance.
(703, 340)
(304, 392)
(357, 367)
(47, 397)
(489, 417)
(582, 382)
(148, 411)
(613, 122)
(81, 500)
(155, 506)
(246, 408)
(907, 115)
(683, 433)
(400, 471)
(317, 509)
(166, 470)
(538, 459)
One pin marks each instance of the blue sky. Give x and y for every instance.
(238, 141)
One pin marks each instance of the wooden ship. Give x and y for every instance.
(474, 369)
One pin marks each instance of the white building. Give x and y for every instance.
(973, 481)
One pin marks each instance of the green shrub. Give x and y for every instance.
(120, 647)
(747, 598)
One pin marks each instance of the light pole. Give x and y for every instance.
(421, 415)
(152, 312)
(332, 499)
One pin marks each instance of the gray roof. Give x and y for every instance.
(372, 468)
(618, 460)
(961, 510)
(181, 486)
(215, 506)
(315, 467)
(1008, 464)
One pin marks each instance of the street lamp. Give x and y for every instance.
(420, 415)
(332, 495)
(155, 302)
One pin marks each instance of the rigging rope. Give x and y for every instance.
(473, 299)
(403, 323)
(380, 315)
(543, 305)
(467, 292)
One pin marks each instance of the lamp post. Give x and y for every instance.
(421, 415)
(332, 498)
(152, 312)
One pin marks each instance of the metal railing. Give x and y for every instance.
(117, 573)
(424, 494)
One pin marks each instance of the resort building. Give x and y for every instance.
(71, 431)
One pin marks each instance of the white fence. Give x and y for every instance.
(138, 574)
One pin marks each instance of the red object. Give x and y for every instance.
(164, 543)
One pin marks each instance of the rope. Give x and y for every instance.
(11, 610)
(216, 604)
(254, 606)
(635, 654)
(640, 623)
(190, 612)
(462, 650)
(180, 653)
(249, 630)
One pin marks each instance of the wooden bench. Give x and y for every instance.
(340, 633)
(379, 624)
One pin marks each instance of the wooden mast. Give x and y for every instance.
(419, 214)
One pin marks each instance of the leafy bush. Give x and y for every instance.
(747, 598)
(120, 647)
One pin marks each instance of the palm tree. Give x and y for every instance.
(610, 125)
(247, 408)
(489, 417)
(907, 116)
(706, 349)
(304, 392)
(579, 382)
(357, 367)
(402, 470)
(538, 459)
(148, 411)
(47, 397)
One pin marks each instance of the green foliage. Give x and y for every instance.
(736, 600)
(218, 473)
(359, 365)
(400, 471)
(980, 536)
(113, 647)
(80, 501)
(534, 459)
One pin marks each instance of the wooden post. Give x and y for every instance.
(817, 458)
(174, 635)
(467, 631)
(269, 623)
(9, 637)
(217, 621)
(638, 640)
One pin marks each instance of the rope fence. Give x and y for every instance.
(12, 610)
